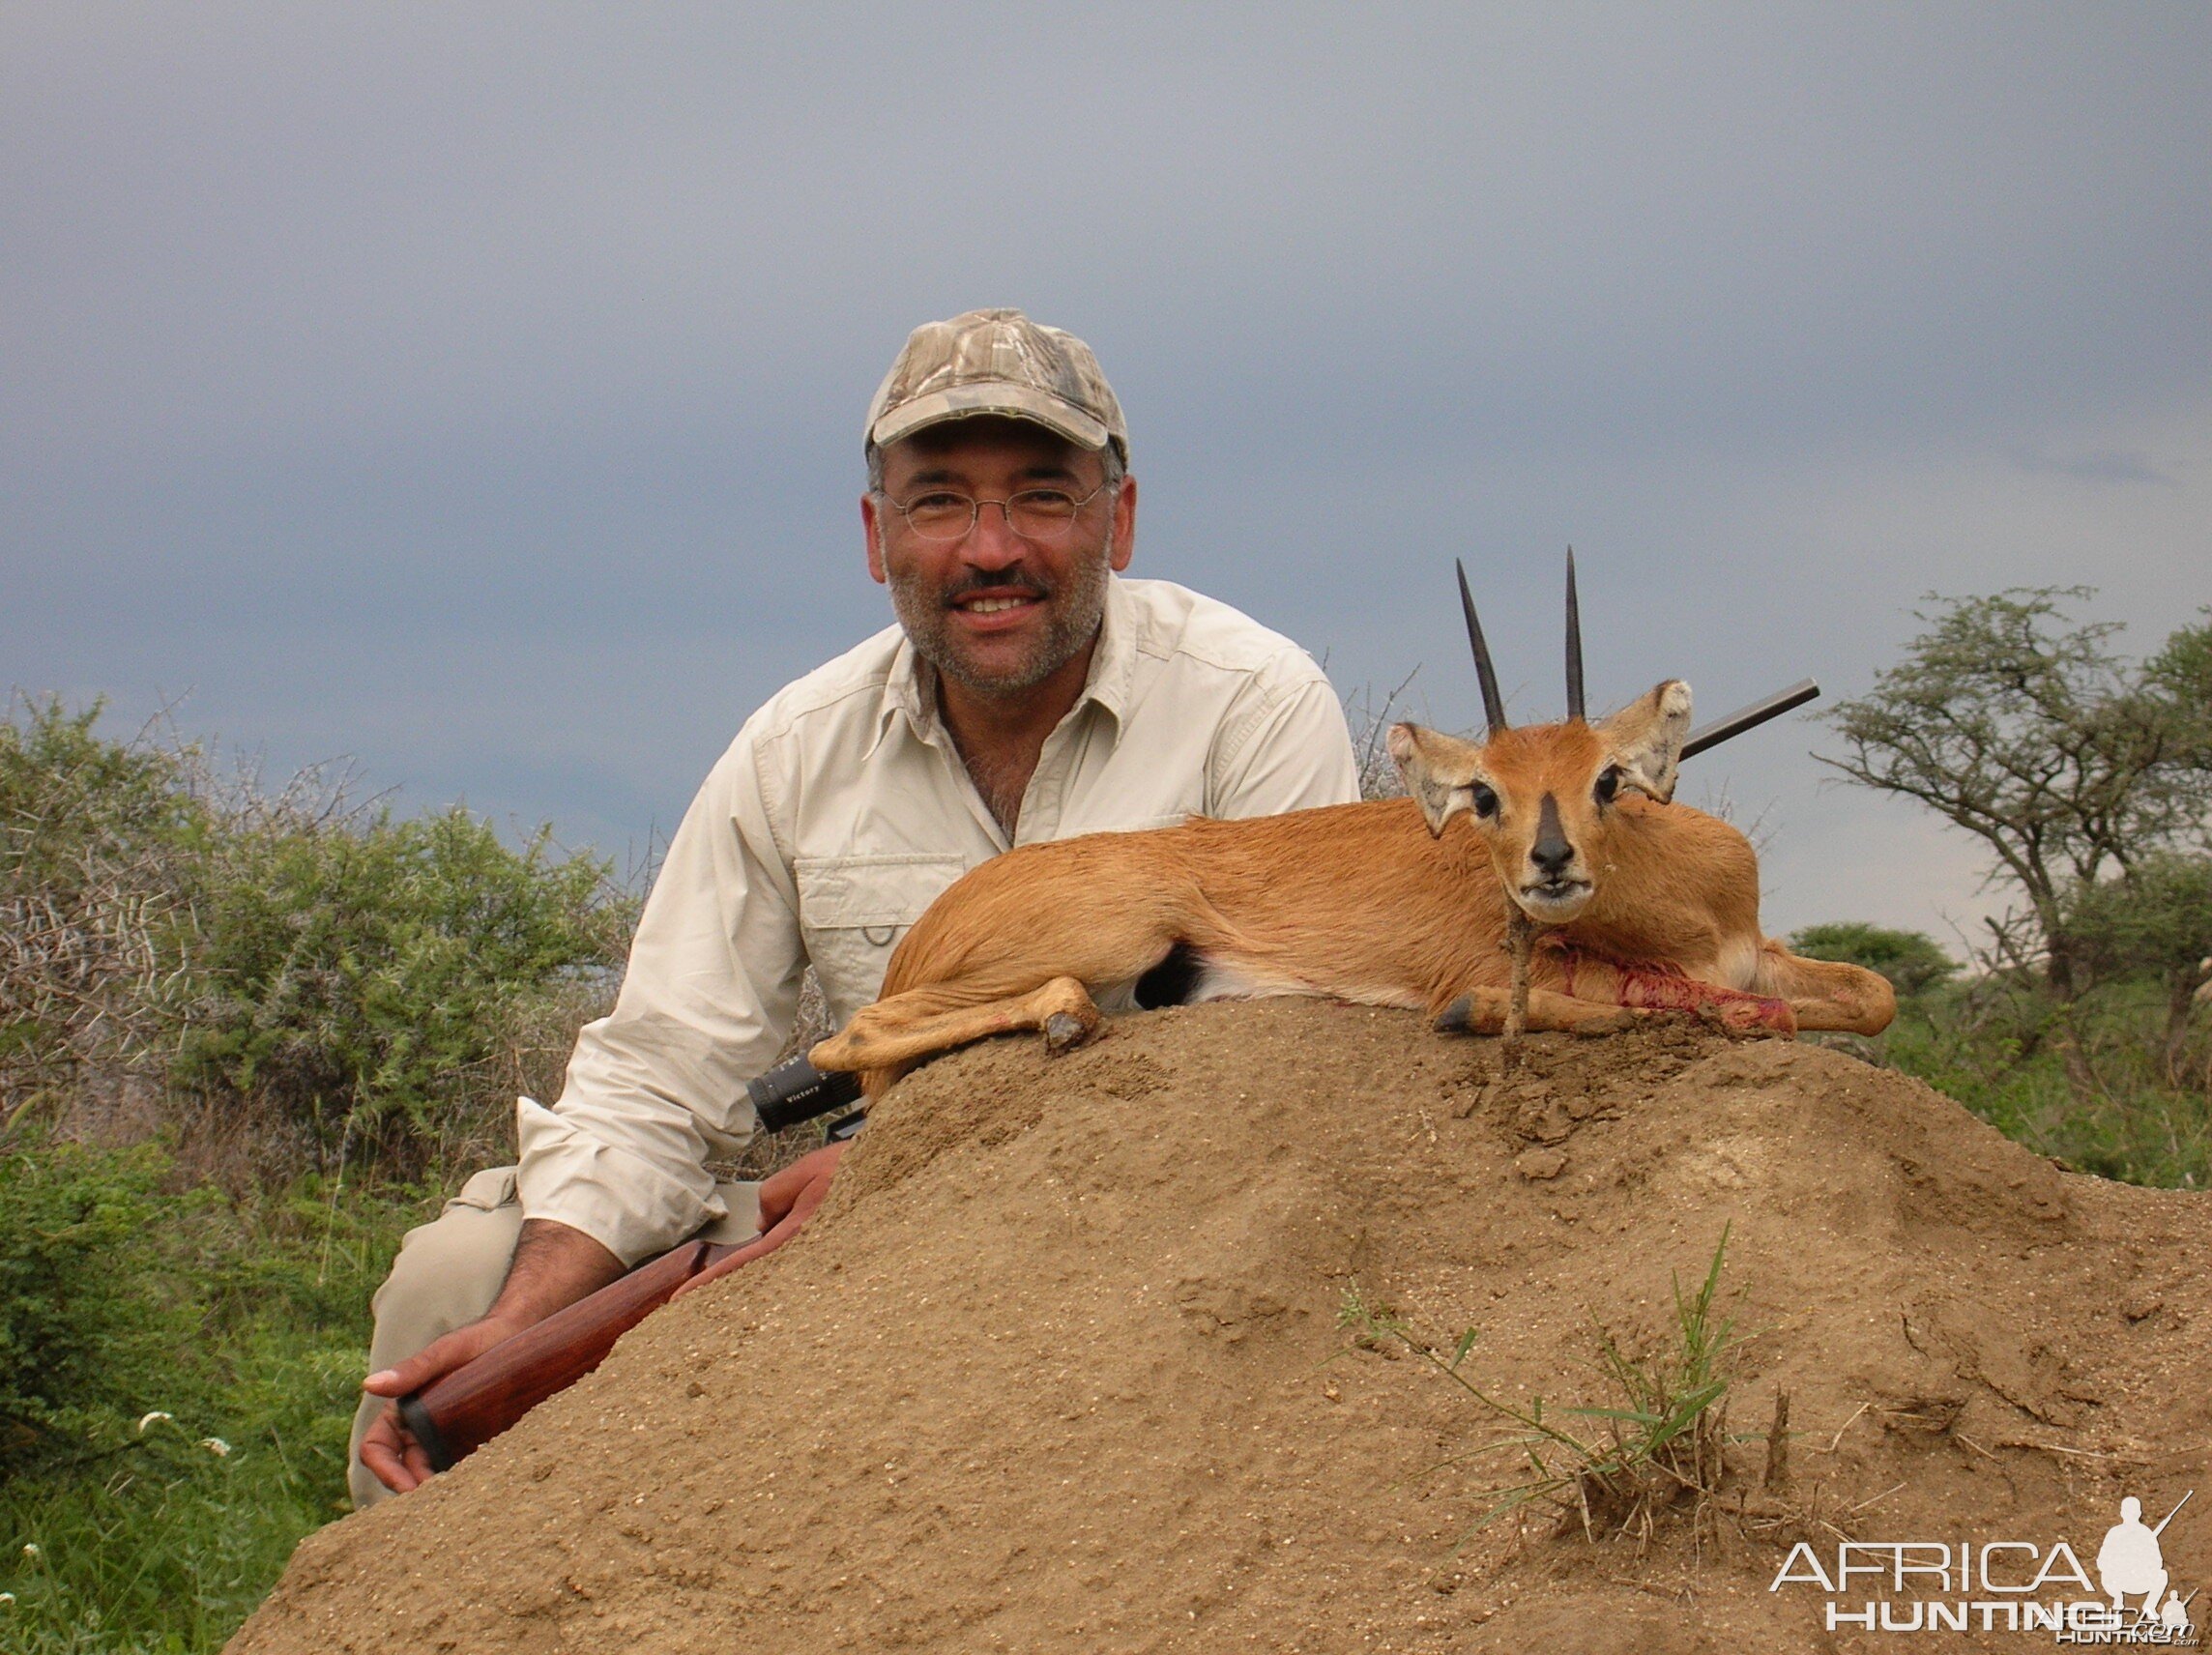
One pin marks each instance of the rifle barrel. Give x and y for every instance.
(2175, 1513)
(1750, 717)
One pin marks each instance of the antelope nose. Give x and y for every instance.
(1551, 851)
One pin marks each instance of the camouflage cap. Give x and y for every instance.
(997, 361)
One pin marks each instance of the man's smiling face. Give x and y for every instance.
(995, 611)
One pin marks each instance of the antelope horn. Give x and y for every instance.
(1573, 643)
(1493, 704)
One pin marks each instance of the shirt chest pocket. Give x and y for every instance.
(854, 910)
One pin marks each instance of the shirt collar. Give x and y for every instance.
(1113, 663)
(910, 692)
(910, 687)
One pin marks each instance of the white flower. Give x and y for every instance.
(151, 1417)
(30, 1551)
(215, 1446)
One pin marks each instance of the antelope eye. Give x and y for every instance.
(1485, 802)
(1608, 784)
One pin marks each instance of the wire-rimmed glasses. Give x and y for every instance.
(1041, 514)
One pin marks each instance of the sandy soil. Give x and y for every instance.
(1059, 1367)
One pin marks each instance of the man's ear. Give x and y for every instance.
(872, 527)
(1440, 771)
(1124, 541)
(1647, 735)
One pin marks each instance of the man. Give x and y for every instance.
(1027, 693)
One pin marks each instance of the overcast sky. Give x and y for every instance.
(476, 391)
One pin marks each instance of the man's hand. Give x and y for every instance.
(387, 1449)
(787, 1199)
(554, 1267)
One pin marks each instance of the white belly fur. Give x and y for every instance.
(1227, 980)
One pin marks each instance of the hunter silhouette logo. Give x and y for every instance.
(2130, 1563)
(2006, 1585)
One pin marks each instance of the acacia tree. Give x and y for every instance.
(2024, 728)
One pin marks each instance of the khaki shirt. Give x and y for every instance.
(837, 814)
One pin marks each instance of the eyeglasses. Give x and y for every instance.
(1035, 514)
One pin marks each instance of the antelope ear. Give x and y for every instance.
(1647, 738)
(1439, 772)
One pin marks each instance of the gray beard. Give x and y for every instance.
(923, 614)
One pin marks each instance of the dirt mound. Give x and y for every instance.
(1059, 1367)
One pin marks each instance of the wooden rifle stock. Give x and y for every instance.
(458, 1412)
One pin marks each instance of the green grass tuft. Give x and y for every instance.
(1615, 1466)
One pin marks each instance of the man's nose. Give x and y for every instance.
(992, 542)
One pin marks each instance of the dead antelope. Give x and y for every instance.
(1644, 907)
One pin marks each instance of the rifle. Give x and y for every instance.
(2170, 1516)
(458, 1412)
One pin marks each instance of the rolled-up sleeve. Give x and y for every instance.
(657, 1089)
(1288, 748)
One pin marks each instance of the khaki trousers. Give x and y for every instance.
(448, 1271)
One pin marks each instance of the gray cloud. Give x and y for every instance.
(479, 390)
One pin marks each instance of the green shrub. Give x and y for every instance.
(92, 924)
(358, 978)
(87, 1330)
(2087, 1081)
(70, 798)
(1911, 961)
(371, 985)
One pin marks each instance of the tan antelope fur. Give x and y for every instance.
(1648, 907)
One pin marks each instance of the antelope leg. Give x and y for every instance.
(1486, 1012)
(916, 1025)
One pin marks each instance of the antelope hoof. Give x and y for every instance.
(1064, 1031)
(1461, 1017)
